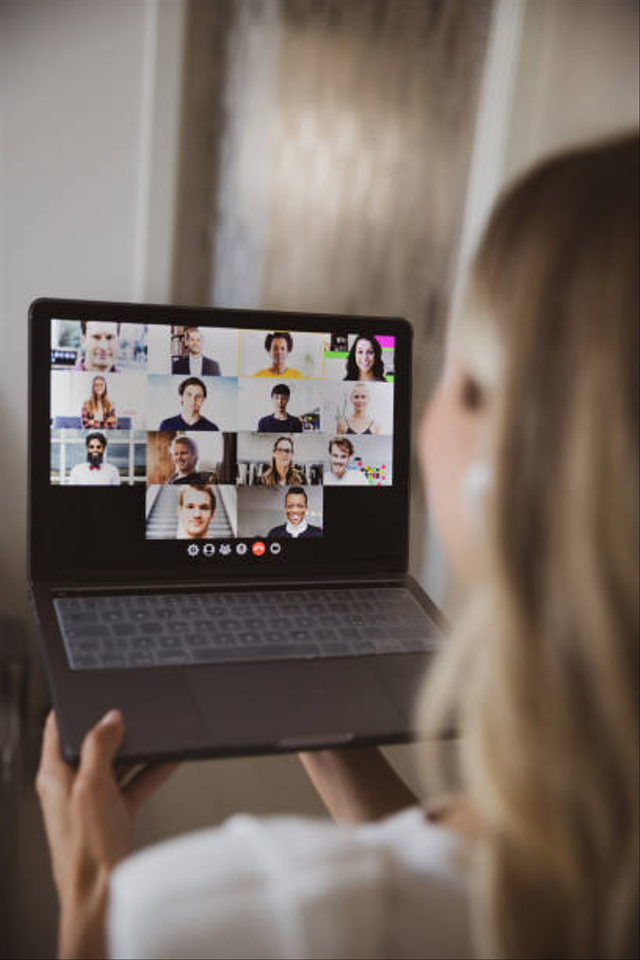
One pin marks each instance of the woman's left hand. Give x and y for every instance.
(89, 822)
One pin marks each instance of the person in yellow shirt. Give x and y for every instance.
(279, 345)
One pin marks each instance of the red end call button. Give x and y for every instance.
(258, 548)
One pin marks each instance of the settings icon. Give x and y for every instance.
(193, 549)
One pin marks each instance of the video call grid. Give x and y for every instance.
(189, 448)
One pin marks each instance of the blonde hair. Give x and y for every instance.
(541, 674)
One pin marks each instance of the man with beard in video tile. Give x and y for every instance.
(295, 506)
(195, 363)
(95, 472)
(340, 474)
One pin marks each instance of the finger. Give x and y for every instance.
(100, 747)
(146, 782)
(52, 771)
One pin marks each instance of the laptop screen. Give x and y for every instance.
(185, 443)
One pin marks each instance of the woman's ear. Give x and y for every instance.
(474, 486)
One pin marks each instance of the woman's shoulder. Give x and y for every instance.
(217, 887)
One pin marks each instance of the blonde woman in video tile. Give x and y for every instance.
(360, 420)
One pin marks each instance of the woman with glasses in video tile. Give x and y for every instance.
(282, 472)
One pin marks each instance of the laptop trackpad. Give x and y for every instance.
(287, 705)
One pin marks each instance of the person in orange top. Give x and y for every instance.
(279, 345)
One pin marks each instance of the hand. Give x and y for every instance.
(89, 822)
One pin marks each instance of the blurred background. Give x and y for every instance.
(330, 155)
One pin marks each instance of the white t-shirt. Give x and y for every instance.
(105, 475)
(296, 529)
(195, 365)
(295, 888)
(350, 478)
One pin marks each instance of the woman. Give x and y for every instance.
(196, 507)
(365, 360)
(279, 345)
(530, 447)
(359, 421)
(282, 473)
(98, 411)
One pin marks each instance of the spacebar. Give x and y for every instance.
(266, 651)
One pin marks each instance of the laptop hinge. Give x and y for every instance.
(256, 583)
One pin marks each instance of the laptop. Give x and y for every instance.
(219, 524)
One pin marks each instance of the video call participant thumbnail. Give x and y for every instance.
(339, 474)
(100, 343)
(295, 507)
(359, 421)
(279, 345)
(98, 411)
(365, 360)
(281, 472)
(195, 363)
(196, 508)
(280, 421)
(184, 451)
(193, 393)
(95, 472)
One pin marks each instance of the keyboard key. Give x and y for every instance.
(166, 657)
(85, 661)
(141, 659)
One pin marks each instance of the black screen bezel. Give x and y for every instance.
(56, 562)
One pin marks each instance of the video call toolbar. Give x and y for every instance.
(232, 433)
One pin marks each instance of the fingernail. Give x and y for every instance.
(113, 716)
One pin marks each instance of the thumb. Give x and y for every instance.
(101, 745)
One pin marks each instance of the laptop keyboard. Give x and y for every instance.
(176, 629)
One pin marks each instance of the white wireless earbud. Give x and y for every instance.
(473, 488)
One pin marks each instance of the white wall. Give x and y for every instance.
(78, 79)
(577, 76)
